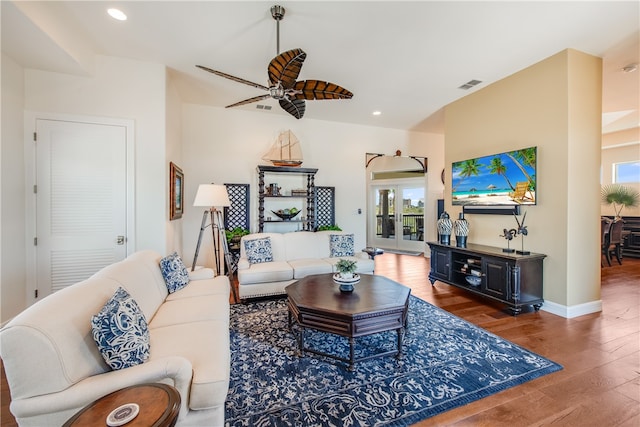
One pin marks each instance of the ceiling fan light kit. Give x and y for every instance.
(283, 71)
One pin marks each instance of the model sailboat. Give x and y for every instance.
(285, 151)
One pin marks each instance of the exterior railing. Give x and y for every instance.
(412, 225)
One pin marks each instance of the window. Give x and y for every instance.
(626, 172)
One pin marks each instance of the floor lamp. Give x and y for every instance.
(214, 197)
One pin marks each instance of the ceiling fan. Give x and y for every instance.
(283, 71)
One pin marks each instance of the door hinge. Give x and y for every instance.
(35, 293)
(35, 136)
(35, 189)
(35, 241)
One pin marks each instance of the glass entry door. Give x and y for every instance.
(397, 217)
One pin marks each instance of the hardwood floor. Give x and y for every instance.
(6, 419)
(600, 353)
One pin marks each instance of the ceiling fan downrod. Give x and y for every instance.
(277, 12)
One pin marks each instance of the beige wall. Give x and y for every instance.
(584, 150)
(174, 154)
(554, 105)
(12, 183)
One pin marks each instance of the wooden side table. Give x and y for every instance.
(372, 252)
(159, 407)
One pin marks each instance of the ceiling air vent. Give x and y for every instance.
(263, 107)
(471, 83)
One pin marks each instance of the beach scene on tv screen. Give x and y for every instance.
(507, 178)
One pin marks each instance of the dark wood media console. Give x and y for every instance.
(510, 278)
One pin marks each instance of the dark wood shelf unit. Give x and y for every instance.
(510, 278)
(309, 198)
(292, 221)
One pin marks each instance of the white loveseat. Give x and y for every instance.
(54, 368)
(294, 255)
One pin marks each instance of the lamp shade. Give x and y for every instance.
(212, 195)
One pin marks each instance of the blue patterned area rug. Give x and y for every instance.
(447, 363)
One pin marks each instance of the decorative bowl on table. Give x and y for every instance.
(346, 283)
(286, 214)
(474, 280)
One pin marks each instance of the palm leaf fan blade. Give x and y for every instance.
(249, 101)
(294, 107)
(234, 78)
(286, 67)
(317, 89)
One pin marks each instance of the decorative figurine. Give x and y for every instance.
(509, 235)
(274, 190)
(522, 231)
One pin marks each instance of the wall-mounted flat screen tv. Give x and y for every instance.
(504, 179)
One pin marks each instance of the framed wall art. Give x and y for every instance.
(176, 191)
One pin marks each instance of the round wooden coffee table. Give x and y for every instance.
(159, 407)
(376, 305)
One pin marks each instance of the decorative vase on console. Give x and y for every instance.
(444, 228)
(461, 230)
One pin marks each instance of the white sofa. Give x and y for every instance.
(295, 255)
(54, 368)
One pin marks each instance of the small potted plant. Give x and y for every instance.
(234, 236)
(346, 268)
(619, 196)
(329, 227)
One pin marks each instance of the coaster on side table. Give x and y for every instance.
(122, 414)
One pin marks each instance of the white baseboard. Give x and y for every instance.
(570, 312)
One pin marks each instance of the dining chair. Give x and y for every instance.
(613, 242)
(605, 225)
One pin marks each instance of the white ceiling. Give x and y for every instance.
(405, 59)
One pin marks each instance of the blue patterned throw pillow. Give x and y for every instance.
(341, 245)
(258, 250)
(174, 272)
(121, 332)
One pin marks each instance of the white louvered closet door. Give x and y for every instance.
(80, 200)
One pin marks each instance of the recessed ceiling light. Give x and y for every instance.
(117, 14)
(377, 113)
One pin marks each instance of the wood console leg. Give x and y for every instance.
(515, 310)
